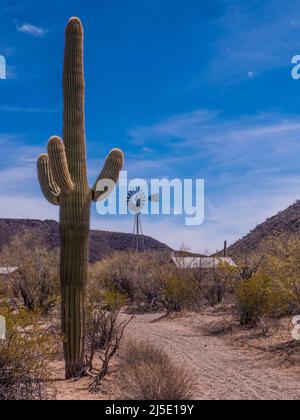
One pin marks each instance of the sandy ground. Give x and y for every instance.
(223, 367)
(79, 389)
(222, 372)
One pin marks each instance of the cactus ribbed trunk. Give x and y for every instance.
(63, 177)
(74, 253)
(75, 206)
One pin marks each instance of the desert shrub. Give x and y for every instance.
(281, 262)
(101, 321)
(104, 332)
(208, 286)
(137, 276)
(149, 374)
(273, 288)
(36, 281)
(217, 283)
(250, 267)
(149, 280)
(177, 292)
(214, 294)
(258, 298)
(113, 300)
(115, 272)
(23, 358)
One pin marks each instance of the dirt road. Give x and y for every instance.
(222, 372)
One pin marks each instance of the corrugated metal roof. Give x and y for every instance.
(202, 262)
(7, 270)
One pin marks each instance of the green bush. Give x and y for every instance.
(282, 263)
(258, 297)
(177, 292)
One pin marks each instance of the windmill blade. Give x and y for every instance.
(154, 198)
(131, 194)
(136, 200)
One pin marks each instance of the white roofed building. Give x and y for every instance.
(5, 271)
(196, 263)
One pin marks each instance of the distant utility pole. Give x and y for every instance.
(225, 249)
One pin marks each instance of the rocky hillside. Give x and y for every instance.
(102, 243)
(286, 222)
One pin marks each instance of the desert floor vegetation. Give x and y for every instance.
(25, 357)
(153, 330)
(35, 283)
(148, 373)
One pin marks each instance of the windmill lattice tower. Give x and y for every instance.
(135, 201)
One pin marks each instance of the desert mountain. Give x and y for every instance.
(102, 243)
(286, 222)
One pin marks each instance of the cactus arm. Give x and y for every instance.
(49, 188)
(111, 170)
(59, 165)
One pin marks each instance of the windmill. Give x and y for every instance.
(136, 200)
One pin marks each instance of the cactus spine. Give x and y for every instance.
(63, 177)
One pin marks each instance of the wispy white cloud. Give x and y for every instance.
(202, 128)
(28, 28)
(177, 126)
(216, 143)
(250, 165)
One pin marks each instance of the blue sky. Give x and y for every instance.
(188, 89)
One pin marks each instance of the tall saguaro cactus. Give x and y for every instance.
(63, 178)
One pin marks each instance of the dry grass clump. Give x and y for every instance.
(149, 374)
